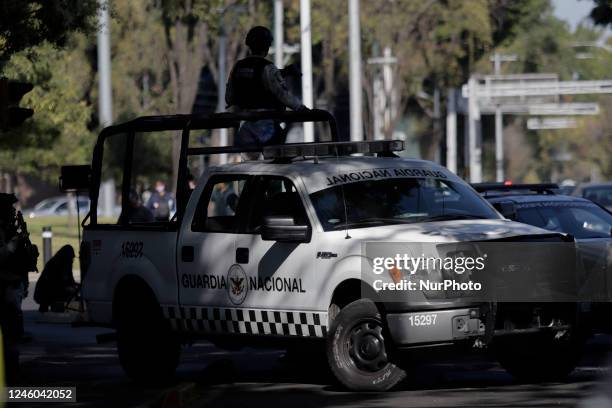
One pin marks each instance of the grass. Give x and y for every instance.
(64, 230)
(64, 233)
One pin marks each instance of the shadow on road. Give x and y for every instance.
(63, 356)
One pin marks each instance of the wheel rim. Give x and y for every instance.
(366, 346)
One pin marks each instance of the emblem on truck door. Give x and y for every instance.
(237, 287)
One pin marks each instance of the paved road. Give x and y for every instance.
(62, 355)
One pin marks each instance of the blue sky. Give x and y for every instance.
(572, 11)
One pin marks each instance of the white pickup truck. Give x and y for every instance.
(272, 249)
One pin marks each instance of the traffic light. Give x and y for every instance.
(11, 92)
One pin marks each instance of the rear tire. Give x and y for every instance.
(357, 350)
(539, 358)
(148, 349)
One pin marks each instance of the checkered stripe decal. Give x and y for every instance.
(247, 321)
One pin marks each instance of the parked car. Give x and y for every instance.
(56, 206)
(588, 222)
(540, 205)
(600, 193)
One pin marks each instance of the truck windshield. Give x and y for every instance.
(396, 201)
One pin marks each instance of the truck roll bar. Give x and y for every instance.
(186, 123)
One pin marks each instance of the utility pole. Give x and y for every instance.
(105, 110)
(221, 82)
(279, 39)
(437, 126)
(105, 99)
(497, 59)
(474, 142)
(306, 49)
(451, 130)
(355, 71)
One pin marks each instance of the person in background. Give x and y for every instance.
(223, 201)
(136, 212)
(191, 182)
(161, 202)
(255, 83)
(56, 283)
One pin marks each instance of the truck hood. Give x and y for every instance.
(447, 231)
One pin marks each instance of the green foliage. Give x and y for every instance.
(590, 147)
(57, 133)
(139, 73)
(544, 44)
(602, 12)
(160, 47)
(26, 23)
(545, 47)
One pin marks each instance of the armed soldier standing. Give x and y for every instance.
(255, 83)
(17, 258)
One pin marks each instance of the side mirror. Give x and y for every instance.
(507, 209)
(283, 229)
(75, 178)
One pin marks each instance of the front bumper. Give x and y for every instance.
(435, 326)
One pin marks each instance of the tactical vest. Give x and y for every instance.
(248, 86)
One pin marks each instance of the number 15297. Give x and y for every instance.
(422, 320)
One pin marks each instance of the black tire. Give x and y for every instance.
(541, 357)
(357, 350)
(148, 349)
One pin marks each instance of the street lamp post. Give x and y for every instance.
(497, 59)
(306, 53)
(355, 71)
(279, 40)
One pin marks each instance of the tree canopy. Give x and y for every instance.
(602, 12)
(165, 58)
(26, 23)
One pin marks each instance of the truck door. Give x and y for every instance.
(278, 275)
(207, 242)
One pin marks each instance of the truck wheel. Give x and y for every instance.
(148, 350)
(357, 351)
(539, 358)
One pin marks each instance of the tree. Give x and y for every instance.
(183, 35)
(437, 43)
(30, 32)
(544, 44)
(601, 14)
(27, 23)
(58, 132)
(161, 48)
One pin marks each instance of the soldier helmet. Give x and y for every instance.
(258, 39)
(7, 200)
